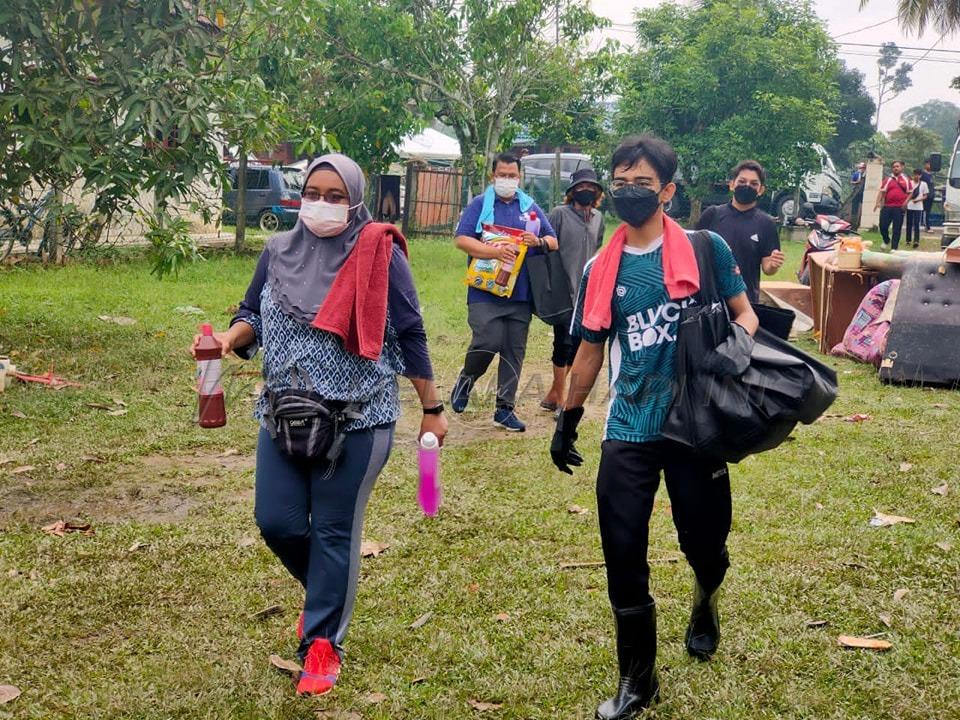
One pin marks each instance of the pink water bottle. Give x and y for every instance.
(428, 458)
(213, 412)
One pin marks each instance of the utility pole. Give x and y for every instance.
(556, 159)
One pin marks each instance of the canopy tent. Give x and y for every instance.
(429, 145)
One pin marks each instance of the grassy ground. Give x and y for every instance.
(152, 615)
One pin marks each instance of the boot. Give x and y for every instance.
(636, 656)
(703, 632)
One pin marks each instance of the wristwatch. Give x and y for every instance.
(435, 410)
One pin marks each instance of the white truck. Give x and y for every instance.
(951, 196)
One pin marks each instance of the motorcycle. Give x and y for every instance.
(826, 231)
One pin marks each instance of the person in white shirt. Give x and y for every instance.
(915, 208)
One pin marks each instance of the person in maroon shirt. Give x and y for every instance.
(893, 195)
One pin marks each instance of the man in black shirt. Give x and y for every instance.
(750, 232)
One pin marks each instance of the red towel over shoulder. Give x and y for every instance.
(680, 273)
(356, 306)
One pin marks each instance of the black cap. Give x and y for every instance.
(584, 175)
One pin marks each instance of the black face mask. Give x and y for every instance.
(585, 197)
(745, 195)
(635, 205)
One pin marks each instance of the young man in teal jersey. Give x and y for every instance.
(655, 276)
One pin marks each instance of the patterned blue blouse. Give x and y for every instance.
(293, 350)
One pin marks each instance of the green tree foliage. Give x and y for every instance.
(111, 94)
(724, 80)
(913, 145)
(854, 115)
(940, 116)
(265, 78)
(477, 65)
(917, 15)
(892, 79)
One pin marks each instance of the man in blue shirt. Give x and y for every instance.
(640, 329)
(500, 324)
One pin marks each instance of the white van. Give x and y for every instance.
(951, 197)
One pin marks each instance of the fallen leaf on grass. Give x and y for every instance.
(421, 621)
(886, 619)
(245, 542)
(18, 414)
(817, 623)
(473, 587)
(945, 546)
(852, 641)
(92, 458)
(23, 469)
(61, 528)
(34, 441)
(857, 417)
(484, 706)
(8, 693)
(898, 595)
(939, 406)
(883, 520)
(118, 412)
(61, 467)
(267, 612)
(286, 666)
(117, 320)
(373, 549)
(940, 490)
(577, 510)
(338, 715)
(906, 467)
(818, 506)
(575, 565)
(418, 680)
(229, 452)
(502, 617)
(138, 545)
(374, 698)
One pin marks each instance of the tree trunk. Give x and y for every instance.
(54, 230)
(468, 158)
(696, 208)
(241, 204)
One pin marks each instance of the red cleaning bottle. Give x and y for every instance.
(213, 412)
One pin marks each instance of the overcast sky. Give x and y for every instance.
(847, 23)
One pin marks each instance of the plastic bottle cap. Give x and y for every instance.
(206, 329)
(429, 441)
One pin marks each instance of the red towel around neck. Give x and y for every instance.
(680, 273)
(356, 306)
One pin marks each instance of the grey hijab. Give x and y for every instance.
(302, 266)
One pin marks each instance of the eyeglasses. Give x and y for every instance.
(621, 184)
(334, 197)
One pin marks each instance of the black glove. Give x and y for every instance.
(562, 451)
(732, 356)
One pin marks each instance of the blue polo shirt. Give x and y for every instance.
(506, 214)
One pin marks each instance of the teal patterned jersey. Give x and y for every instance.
(642, 338)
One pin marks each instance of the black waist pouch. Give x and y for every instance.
(305, 425)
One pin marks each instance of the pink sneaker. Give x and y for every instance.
(321, 668)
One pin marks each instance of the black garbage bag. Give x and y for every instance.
(729, 417)
(723, 410)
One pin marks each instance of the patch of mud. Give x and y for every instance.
(153, 489)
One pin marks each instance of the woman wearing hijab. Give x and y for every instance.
(579, 226)
(333, 305)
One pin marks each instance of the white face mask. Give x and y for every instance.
(324, 219)
(506, 187)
